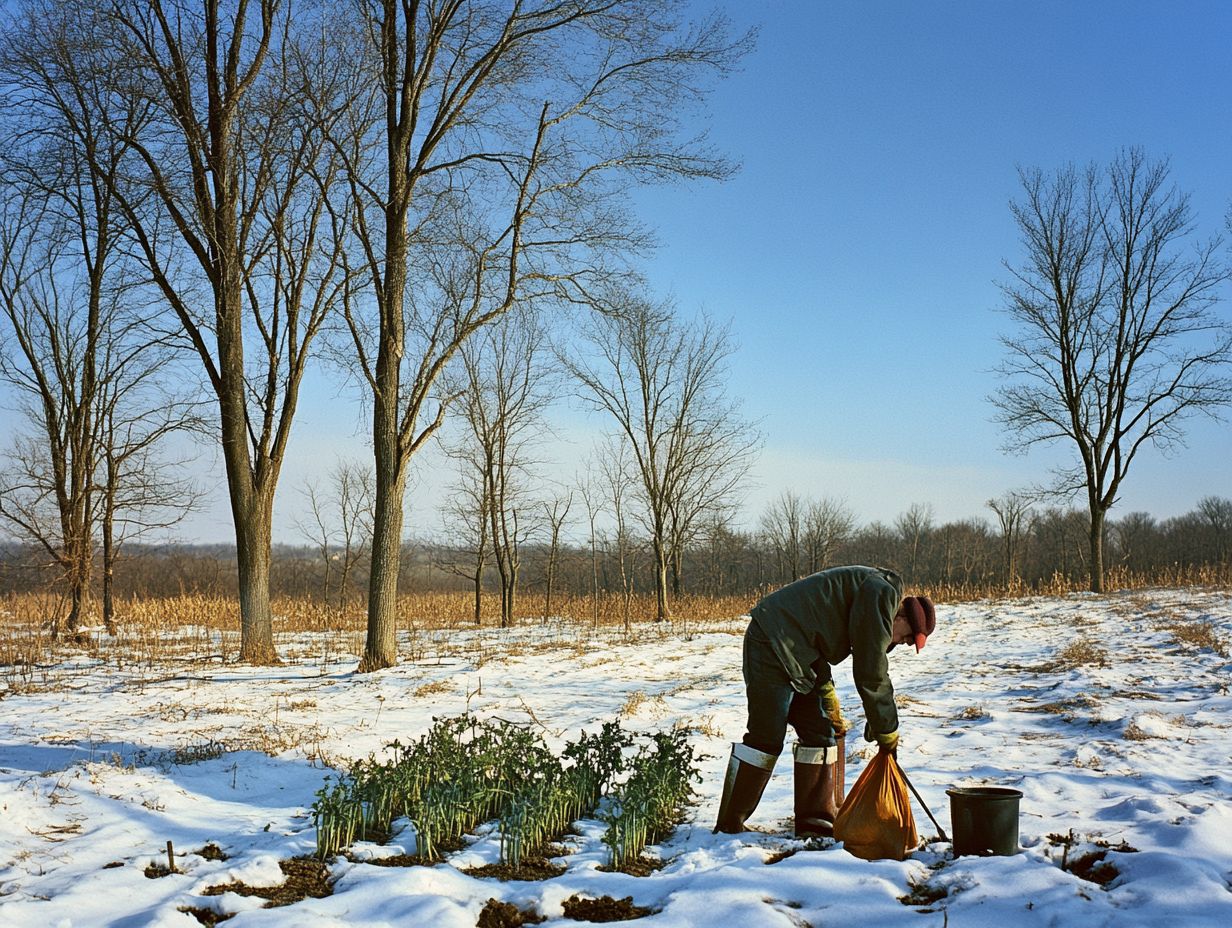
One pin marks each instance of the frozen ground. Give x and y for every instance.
(1132, 751)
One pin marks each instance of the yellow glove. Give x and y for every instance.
(833, 710)
(888, 743)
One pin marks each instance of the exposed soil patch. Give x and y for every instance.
(923, 894)
(531, 868)
(156, 871)
(642, 866)
(113, 865)
(1094, 868)
(206, 917)
(810, 844)
(305, 877)
(397, 860)
(603, 909)
(211, 852)
(497, 914)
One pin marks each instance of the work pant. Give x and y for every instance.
(774, 703)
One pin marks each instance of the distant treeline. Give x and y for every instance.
(1047, 550)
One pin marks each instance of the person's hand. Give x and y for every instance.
(888, 744)
(833, 710)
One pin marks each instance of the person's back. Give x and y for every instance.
(822, 616)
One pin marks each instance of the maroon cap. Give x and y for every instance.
(920, 615)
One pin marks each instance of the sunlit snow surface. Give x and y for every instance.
(1135, 751)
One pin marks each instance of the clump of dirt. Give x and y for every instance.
(1094, 868)
(212, 852)
(642, 866)
(396, 860)
(603, 909)
(207, 917)
(541, 866)
(810, 844)
(305, 877)
(497, 914)
(157, 871)
(113, 865)
(531, 868)
(923, 894)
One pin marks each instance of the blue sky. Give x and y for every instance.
(858, 251)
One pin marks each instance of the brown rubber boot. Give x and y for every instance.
(748, 772)
(817, 773)
(840, 773)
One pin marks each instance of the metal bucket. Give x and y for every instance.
(985, 820)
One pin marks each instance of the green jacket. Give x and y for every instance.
(822, 619)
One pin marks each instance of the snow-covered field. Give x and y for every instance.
(1133, 751)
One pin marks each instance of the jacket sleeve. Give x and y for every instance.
(872, 618)
(824, 676)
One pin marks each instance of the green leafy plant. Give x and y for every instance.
(463, 772)
(649, 803)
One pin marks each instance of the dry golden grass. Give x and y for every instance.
(632, 704)
(1198, 634)
(972, 714)
(205, 628)
(433, 688)
(1081, 652)
(1116, 579)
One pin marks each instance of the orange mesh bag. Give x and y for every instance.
(875, 821)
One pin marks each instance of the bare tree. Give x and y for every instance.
(828, 523)
(1012, 510)
(914, 527)
(49, 356)
(1133, 534)
(555, 511)
(341, 523)
(355, 496)
(592, 499)
(505, 392)
(468, 513)
(224, 201)
(91, 376)
(619, 478)
(488, 151)
(1116, 344)
(782, 525)
(143, 490)
(664, 384)
(1216, 511)
(317, 529)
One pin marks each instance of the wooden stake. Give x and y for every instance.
(171, 859)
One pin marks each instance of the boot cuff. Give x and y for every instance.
(748, 755)
(822, 755)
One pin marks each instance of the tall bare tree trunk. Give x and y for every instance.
(1098, 514)
(662, 609)
(381, 646)
(108, 538)
(254, 518)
